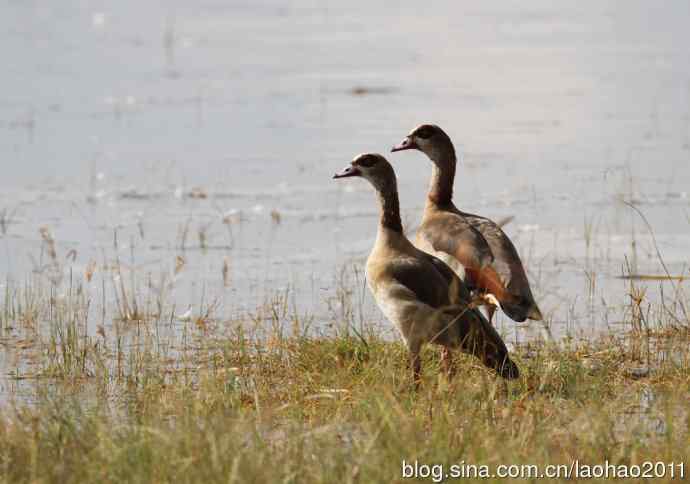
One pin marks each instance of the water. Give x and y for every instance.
(146, 121)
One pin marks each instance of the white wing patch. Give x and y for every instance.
(422, 244)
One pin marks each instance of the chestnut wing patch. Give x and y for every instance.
(507, 264)
(452, 234)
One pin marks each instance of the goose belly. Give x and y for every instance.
(398, 310)
(394, 312)
(415, 321)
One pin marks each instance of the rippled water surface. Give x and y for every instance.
(208, 132)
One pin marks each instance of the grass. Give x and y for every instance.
(111, 382)
(338, 410)
(202, 400)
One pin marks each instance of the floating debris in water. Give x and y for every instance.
(226, 271)
(98, 19)
(179, 264)
(232, 216)
(650, 277)
(276, 217)
(365, 90)
(198, 193)
(134, 194)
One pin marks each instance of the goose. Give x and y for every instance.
(425, 300)
(501, 282)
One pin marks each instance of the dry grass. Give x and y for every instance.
(157, 399)
(113, 383)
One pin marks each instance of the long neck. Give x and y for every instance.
(390, 208)
(442, 176)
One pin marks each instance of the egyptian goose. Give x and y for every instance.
(447, 233)
(417, 292)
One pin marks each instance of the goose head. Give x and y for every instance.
(373, 167)
(430, 140)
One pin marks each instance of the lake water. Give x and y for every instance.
(152, 120)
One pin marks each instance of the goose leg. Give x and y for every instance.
(416, 364)
(491, 310)
(447, 363)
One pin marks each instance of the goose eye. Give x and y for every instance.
(424, 133)
(367, 162)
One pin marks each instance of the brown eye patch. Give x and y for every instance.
(424, 132)
(367, 161)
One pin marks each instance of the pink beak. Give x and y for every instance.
(348, 171)
(405, 144)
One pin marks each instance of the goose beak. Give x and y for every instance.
(348, 171)
(406, 144)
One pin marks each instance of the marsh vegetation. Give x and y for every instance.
(182, 294)
(151, 393)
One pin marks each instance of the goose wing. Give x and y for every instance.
(476, 336)
(458, 292)
(426, 277)
(505, 278)
(452, 234)
(430, 303)
(454, 326)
